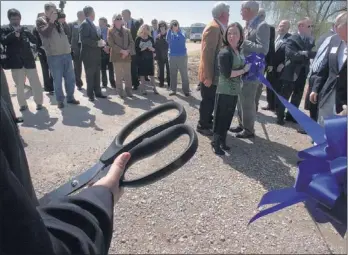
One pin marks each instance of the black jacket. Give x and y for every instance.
(161, 47)
(330, 78)
(78, 224)
(279, 53)
(134, 28)
(18, 50)
(90, 51)
(271, 51)
(294, 60)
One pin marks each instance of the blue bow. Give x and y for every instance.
(322, 174)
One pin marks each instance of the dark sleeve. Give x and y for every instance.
(320, 77)
(67, 31)
(311, 54)
(70, 25)
(84, 36)
(292, 53)
(7, 37)
(271, 51)
(137, 48)
(225, 63)
(44, 28)
(153, 43)
(30, 36)
(80, 224)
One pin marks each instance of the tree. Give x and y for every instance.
(322, 13)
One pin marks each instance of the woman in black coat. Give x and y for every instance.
(161, 46)
(145, 50)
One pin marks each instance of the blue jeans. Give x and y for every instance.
(61, 66)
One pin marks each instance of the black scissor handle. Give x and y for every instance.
(117, 147)
(151, 145)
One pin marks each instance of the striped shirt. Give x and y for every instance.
(319, 57)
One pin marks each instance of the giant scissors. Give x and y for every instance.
(147, 144)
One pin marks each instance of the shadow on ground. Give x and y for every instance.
(79, 116)
(40, 120)
(108, 107)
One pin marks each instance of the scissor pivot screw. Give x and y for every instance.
(74, 183)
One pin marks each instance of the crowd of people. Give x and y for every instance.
(288, 65)
(129, 49)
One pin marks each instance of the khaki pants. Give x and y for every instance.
(18, 76)
(122, 71)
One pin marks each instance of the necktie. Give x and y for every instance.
(278, 42)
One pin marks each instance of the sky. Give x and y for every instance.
(186, 12)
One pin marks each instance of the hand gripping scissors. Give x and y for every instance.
(147, 144)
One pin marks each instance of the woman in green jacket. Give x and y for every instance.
(232, 67)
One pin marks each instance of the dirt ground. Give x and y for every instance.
(205, 206)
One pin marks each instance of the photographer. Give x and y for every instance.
(77, 224)
(56, 45)
(20, 59)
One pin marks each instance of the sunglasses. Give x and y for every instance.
(118, 19)
(175, 24)
(310, 26)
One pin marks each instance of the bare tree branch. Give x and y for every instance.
(336, 12)
(324, 17)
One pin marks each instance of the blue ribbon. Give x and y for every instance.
(322, 174)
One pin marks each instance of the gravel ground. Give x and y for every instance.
(203, 207)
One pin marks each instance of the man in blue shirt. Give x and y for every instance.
(105, 56)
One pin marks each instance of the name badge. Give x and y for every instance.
(76, 26)
(333, 50)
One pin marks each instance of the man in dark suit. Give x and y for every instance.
(105, 56)
(298, 52)
(330, 84)
(269, 57)
(133, 25)
(75, 43)
(275, 67)
(91, 43)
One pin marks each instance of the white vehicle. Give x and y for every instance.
(196, 32)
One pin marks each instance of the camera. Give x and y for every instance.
(62, 5)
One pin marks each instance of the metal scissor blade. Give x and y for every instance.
(74, 184)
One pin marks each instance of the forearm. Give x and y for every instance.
(45, 29)
(236, 73)
(250, 46)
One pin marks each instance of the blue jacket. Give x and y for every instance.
(177, 43)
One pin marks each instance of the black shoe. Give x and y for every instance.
(135, 88)
(172, 93)
(18, 120)
(79, 87)
(73, 101)
(236, 129)
(60, 105)
(147, 78)
(301, 131)
(113, 86)
(223, 144)
(267, 108)
(280, 122)
(101, 96)
(245, 135)
(23, 108)
(290, 118)
(91, 99)
(216, 145)
(187, 94)
(204, 131)
(161, 85)
(38, 107)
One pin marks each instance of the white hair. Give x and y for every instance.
(219, 8)
(262, 13)
(252, 5)
(341, 19)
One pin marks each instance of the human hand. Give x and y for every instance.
(101, 43)
(207, 82)
(17, 34)
(313, 97)
(53, 17)
(246, 68)
(106, 49)
(154, 55)
(113, 177)
(270, 69)
(280, 68)
(304, 53)
(344, 112)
